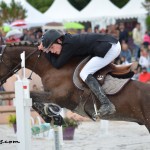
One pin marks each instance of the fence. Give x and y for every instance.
(6, 107)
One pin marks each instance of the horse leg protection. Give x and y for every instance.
(106, 106)
(49, 112)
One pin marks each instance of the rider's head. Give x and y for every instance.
(50, 37)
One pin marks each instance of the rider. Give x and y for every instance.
(103, 48)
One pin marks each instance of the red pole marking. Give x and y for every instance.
(24, 87)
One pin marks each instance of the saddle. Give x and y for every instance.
(119, 75)
(112, 78)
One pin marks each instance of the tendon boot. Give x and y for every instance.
(106, 106)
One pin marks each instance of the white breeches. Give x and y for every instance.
(96, 63)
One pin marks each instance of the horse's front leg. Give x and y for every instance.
(43, 105)
(40, 96)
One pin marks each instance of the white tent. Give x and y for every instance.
(97, 9)
(134, 9)
(99, 12)
(34, 17)
(60, 11)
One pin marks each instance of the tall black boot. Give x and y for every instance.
(106, 106)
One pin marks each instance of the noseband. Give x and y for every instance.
(15, 69)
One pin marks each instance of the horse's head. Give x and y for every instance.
(10, 61)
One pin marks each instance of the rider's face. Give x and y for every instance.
(55, 48)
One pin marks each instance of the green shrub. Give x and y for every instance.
(70, 122)
(148, 23)
(12, 119)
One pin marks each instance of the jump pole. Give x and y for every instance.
(23, 103)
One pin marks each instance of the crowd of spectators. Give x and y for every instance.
(31, 35)
(139, 52)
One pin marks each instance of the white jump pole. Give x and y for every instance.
(23, 104)
(104, 125)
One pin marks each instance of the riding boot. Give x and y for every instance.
(106, 106)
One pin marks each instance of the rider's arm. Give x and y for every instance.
(62, 59)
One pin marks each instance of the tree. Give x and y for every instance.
(120, 3)
(146, 4)
(79, 4)
(41, 5)
(12, 12)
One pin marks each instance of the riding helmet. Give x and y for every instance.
(50, 37)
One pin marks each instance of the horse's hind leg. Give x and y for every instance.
(147, 120)
(148, 128)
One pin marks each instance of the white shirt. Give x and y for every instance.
(144, 61)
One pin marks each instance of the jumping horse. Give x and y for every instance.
(132, 102)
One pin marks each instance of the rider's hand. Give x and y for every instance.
(40, 47)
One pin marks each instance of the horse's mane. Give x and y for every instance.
(22, 43)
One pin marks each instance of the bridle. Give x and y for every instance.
(17, 67)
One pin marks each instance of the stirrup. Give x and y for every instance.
(95, 116)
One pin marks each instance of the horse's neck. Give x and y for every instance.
(13, 53)
(43, 65)
(58, 79)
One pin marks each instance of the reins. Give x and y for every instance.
(35, 65)
(15, 69)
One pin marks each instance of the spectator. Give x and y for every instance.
(123, 61)
(96, 29)
(113, 31)
(144, 76)
(146, 39)
(39, 35)
(125, 52)
(82, 31)
(28, 36)
(137, 40)
(25, 35)
(2, 88)
(136, 74)
(103, 31)
(1, 39)
(144, 59)
(123, 33)
(12, 39)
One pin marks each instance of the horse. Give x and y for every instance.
(132, 102)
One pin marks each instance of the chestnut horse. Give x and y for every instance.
(132, 102)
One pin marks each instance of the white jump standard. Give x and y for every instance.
(23, 103)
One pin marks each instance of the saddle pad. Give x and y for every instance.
(113, 85)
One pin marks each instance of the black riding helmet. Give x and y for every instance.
(50, 37)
